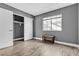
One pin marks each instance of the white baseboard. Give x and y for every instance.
(18, 39)
(6, 45)
(37, 38)
(68, 44)
(64, 43)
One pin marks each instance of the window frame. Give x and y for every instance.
(50, 18)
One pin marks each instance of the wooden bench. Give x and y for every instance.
(48, 38)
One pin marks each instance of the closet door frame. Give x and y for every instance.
(25, 18)
(13, 26)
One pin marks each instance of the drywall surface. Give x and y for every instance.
(69, 31)
(78, 23)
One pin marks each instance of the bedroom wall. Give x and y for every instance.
(69, 31)
(78, 23)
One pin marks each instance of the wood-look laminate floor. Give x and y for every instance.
(38, 48)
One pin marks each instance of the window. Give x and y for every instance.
(47, 25)
(53, 23)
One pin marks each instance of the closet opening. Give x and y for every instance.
(18, 28)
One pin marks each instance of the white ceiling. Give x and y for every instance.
(38, 8)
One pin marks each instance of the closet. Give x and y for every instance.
(14, 27)
(18, 26)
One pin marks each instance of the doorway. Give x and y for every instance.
(18, 28)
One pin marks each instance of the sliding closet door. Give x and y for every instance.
(28, 28)
(6, 28)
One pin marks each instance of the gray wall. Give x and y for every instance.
(14, 10)
(78, 23)
(70, 24)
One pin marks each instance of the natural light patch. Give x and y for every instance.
(47, 25)
(53, 23)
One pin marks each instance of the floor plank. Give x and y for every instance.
(38, 48)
